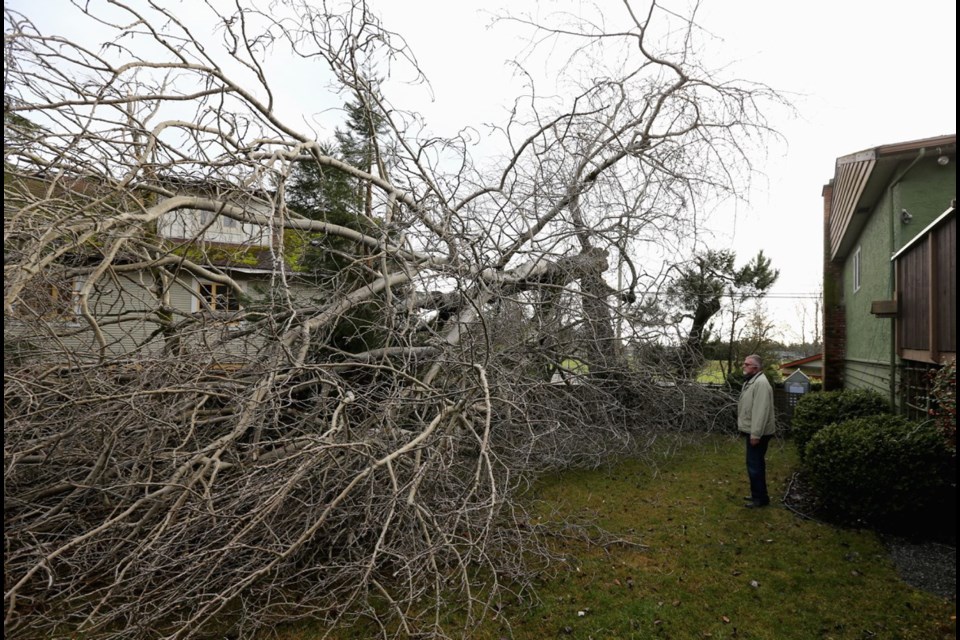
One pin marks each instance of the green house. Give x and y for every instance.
(889, 278)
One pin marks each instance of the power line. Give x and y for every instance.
(767, 296)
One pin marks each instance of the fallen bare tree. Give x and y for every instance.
(223, 406)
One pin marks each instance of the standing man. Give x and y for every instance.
(755, 420)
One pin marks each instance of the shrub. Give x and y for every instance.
(943, 394)
(814, 411)
(877, 467)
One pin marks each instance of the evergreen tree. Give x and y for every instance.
(360, 145)
(335, 196)
(701, 287)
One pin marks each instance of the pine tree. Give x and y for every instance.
(701, 287)
(335, 196)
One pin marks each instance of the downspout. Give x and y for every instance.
(893, 275)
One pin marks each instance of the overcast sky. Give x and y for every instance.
(859, 74)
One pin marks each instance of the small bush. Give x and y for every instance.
(814, 411)
(943, 395)
(878, 467)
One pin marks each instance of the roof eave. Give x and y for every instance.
(860, 179)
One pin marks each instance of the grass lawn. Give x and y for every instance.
(708, 567)
(711, 373)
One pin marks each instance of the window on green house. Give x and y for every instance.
(856, 270)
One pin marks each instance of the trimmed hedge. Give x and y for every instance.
(877, 467)
(814, 411)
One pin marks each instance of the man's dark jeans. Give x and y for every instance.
(757, 469)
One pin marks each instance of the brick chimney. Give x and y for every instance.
(834, 312)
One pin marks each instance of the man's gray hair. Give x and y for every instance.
(757, 360)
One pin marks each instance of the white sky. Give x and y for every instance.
(859, 74)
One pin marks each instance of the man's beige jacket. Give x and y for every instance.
(755, 414)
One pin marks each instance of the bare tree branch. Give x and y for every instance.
(222, 409)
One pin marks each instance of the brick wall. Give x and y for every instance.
(834, 313)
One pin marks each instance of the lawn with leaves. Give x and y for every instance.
(705, 567)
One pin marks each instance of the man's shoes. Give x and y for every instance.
(753, 504)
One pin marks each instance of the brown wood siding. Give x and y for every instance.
(946, 240)
(914, 288)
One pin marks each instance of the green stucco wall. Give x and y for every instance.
(925, 191)
(868, 338)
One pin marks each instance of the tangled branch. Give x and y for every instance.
(225, 408)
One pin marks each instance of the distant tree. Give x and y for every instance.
(327, 194)
(758, 338)
(324, 192)
(751, 282)
(754, 279)
(331, 194)
(810, 342)
(701, 288)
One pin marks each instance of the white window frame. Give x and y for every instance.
(76, 286)
(857, 270)
(199, 296)
(66, 296)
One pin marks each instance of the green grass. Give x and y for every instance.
(701, 553)
(711, 373)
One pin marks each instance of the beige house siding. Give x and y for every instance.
(125, 309)
(49, 325)
(866, 374)
(122, 305)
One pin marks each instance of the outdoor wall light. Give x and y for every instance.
(943, 161)
(905, 216)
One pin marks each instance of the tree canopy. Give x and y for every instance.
(706, 284)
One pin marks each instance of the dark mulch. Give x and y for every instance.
(923, 548)
(930, 566)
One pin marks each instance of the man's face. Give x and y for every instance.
(750, 367)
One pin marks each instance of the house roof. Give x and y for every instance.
(72, 191)
(860, 179)
(802, 361)
(243, 258)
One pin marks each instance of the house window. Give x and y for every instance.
(856, 270)
(55, 299)
(218, 297)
